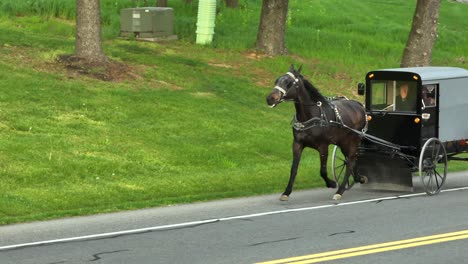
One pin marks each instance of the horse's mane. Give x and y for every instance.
(313, 92)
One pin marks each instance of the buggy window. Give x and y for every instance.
(393, 95)
(380, 95)
(429, 95)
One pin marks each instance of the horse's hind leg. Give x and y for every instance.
(342, 187)
(297, 152)
(357, 178)
(351, 154)
(323, 150)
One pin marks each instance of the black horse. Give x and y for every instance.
(317, 124)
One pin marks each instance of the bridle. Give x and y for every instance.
(284, 92)
(294, 85)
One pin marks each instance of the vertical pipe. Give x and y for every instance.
(206, 21)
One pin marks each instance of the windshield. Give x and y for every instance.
(393, 95)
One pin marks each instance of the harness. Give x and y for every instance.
(323, 120)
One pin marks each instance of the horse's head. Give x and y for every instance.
(285, 87)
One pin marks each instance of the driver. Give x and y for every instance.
(402, 101)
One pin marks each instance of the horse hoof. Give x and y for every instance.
(284, 197)
(337, 197)
(364, 180)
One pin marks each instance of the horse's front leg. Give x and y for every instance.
(323, 151)
(297, 153)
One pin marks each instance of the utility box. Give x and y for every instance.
(147, 22)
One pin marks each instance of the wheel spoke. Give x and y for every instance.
(436, 180)
(438, 176)
(342, 168)
(429, 180)
(437, 156)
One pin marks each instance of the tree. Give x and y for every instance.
(423, 34)
(270, 35)
(232, 3)
(88, 32)
(161, 3)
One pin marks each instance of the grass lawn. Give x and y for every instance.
(191, 123)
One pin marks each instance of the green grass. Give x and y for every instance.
(193, 125)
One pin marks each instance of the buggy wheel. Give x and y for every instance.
(339, 162)
(433, 166)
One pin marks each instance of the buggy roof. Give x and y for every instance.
(434, 73)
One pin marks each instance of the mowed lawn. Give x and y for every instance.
(188, 122)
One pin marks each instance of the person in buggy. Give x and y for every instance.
(404, 102)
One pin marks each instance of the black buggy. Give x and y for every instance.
(417, 121)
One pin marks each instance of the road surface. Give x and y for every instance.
(365, 227)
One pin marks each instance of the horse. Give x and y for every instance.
(319, 122)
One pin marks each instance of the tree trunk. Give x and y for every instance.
(161, 3)
(88, 32)
(232, 3)
(270, 35)
(423, 35)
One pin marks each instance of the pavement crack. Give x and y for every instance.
(344, 232)
(397, 198)
(274, 241)
(97, 256)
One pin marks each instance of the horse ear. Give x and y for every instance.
(300, 69)
(291, 68)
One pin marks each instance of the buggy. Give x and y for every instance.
(418, 138)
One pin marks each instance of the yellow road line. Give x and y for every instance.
(371, 249)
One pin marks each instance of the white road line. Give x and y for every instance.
(195, 223)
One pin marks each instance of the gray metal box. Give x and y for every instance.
(147, 22)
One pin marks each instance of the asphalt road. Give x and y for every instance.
(259, 229)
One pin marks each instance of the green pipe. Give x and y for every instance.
(206, 21)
